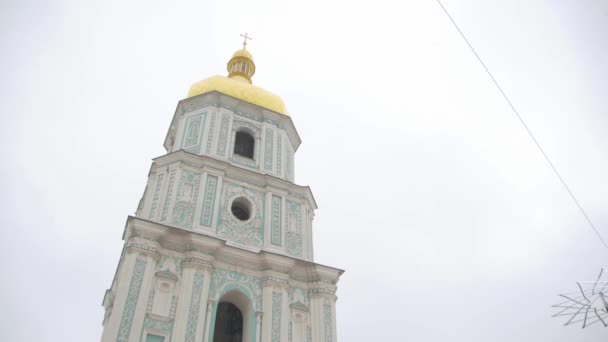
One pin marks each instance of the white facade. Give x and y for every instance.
(186, 250)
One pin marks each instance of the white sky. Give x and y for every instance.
(449, 224)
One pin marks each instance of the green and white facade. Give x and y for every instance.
(185, 250)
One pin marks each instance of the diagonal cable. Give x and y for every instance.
(521, 120)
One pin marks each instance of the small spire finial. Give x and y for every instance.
(245, 37)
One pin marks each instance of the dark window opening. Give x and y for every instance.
(243, 145)
(228, 323)
(241, 209)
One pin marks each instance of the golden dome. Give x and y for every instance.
(238, 84)
(240, 89)
(242, 53)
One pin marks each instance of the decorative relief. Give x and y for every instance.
(248, 232)
(155, 198)
(293, 236)
(238, 159)
(162, 326)
(279, 153)
(195, 304)
(249, 116)
(276, 218)
(222, 280)
(275, 281)
(165, 211)
(124, 330)
(277, 300)
(187, 193)
(268, 149)
(161, 297)
(173, 307)
(323, 288)
(170, 263)
(223, 137)
(298, 295)
(209, 200)
(193, 133)
(327, 322)
(194, 104)
(211, 131)
(289, 171)
(150, 301)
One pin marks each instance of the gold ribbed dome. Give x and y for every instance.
(242, 53)
(238, 84)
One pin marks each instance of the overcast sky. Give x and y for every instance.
(448, 222)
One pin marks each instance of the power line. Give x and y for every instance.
(521, 120)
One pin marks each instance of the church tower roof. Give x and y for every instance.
(239, 85)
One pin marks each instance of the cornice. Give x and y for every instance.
(208, 251)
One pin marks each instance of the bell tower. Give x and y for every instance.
(220, 248)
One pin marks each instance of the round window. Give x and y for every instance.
(241, 208)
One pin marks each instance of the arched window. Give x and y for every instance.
(243, 144)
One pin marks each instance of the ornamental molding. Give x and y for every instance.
(299, 306)
(275, 282)
(143, 235)
(241, 122)
(159, 318)
(196, 263)
(142, 248)
(168, 275)
(323, 289)
(239, 174)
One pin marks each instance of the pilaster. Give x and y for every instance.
(210, 307)
(322, 313)
(134, 281)
(127, 264)
(147, 282)
(275, 305)
(191, 313)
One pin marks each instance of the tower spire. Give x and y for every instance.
(245, 38)
(241, 66)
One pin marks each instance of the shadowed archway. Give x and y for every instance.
(228, 323)
(234, 318)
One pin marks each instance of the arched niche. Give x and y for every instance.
(242, 299)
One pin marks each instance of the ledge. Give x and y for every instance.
(219, 251)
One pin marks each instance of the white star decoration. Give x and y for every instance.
(588, 305)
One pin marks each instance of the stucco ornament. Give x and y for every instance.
(247, 232)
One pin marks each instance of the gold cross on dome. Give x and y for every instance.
(245, 36)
